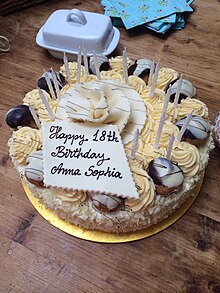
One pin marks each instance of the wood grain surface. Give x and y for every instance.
(37, 257)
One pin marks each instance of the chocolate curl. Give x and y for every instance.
(177, 95)
(79, 59)
(134, 144)
(35, 117)
(46, 104)
(66, 65)
(155, 79)
(96, 66)
(55, 82)
(170, 146)
(125, 66)
(49, 84)
(185, 125)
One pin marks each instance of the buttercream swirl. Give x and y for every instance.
(168, 129)
(187, 157)
(111, 75)
(116, 64)
(73, 71)
(152, 153)
(139, 160)
(23, 142)
(88, 78)
(165, 77)
(146, 190)
(137, 83)
(171, 112)
(147, 132)
(34, 100)
(139, 147)
(187, 105)
(43, 113)
(158, 97)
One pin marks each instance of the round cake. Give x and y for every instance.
(162, 160)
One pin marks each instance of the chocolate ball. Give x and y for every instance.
(141, 68)
(102, 61)
(106, 203)
(167, 176)
(19, 116)
(197, 130)
(187, 90)
(42, 84)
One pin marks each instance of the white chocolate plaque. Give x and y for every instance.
(86, 157)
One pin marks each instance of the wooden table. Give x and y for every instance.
(37, 257)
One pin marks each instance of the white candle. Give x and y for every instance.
(166, 102)
(159, 131)
(49, 84)
(183, 129)
(96, 66)
(35, 117)
(85, 61)
(177, 95)
(46, 104)
(66, 65)
(79, 59)
(55, 82)
(170, 146)
(125, 66)
(153, 86)
(134, 144)
(151, 73)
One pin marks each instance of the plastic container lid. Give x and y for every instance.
(66, 30)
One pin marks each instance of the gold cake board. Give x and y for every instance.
(104, 237)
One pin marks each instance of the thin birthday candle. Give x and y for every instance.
(177, 95)
(153, 86)
(46, 104)
(159, 131)
(170, 146)
(151, 73)
(79, 59)
(66, 65)
(166, 102)
(183, 129)
(125, 66)
(134, 144)
(85, 60)
(96, 65)
(55, 82)
(49, 84)
(162, 119)
(35, 117)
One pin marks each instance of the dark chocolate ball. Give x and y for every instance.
(141, 68)
(102, 62)
(42, 84)
(19, 116)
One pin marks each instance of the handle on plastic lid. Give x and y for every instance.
(76, 15)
